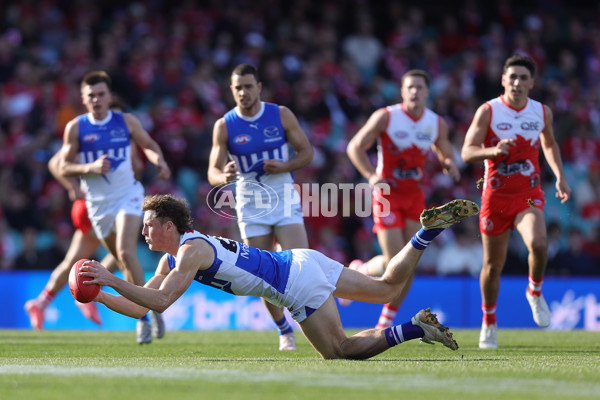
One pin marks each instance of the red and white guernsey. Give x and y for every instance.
(517, 173)
(403, 147)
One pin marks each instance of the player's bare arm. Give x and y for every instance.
(444, 151)
(364, 139)
(137, 164)
(220, 170)
(122, 304)
(70, 184)
(173, 285)
(552, 154)
(472, 150)
(149, 146)
(69, 165)
(303, 151)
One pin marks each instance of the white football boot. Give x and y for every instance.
(539, 308)
(488, 338)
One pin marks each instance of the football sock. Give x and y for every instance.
(145, 318)
(386, 318)
(401, 333)
(535, 286)
(283, 326)
(45, 298)
(489, 314)
(423, 238)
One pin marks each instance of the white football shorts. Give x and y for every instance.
(257, 217)
(313, 277)
(103, 213)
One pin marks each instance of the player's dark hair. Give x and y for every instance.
(521, 61)
(246, 69)
(170, 208)
(417, 72)
(95, 77)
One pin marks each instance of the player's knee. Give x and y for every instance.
(331, 356)
(539, 245)
(347, 349)
(334, 352)
(126, 257)
(492, 269)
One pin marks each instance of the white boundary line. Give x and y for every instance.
(520, 386)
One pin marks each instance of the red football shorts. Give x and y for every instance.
(498, 212)
(79, 216)
(409, 205)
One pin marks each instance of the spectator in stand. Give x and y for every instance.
(592, 244)
(463, 255)
(587, 194)
(576, 258)
(364, 48)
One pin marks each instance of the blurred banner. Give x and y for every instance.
(574, 302)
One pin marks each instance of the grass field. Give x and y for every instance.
(245, 365)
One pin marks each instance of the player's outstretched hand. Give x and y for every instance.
(99, 274)
(81, 291)
(164, 172)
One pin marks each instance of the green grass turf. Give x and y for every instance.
(530, 364)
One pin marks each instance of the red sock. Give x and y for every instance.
(489, 314)
(45, 298)
(535, 286)
(386, 318)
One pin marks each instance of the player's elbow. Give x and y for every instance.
(160, 309)
(161, 305)
(163, 301)
(466, 155)
(352, 150)
(60, 168)
(65, 170)
(212, 177)
(309, 154)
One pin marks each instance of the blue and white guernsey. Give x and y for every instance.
(251, 140)
(109, 136)
(243, 270)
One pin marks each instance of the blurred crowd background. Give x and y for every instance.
(332, 63)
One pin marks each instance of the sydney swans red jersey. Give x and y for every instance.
(402, 149)
(519, 171)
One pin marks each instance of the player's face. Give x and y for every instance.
(517, 82)
(154, 232)
(246, 92)
(96, 99)
(414, 91)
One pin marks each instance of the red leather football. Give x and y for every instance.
(82, 293)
